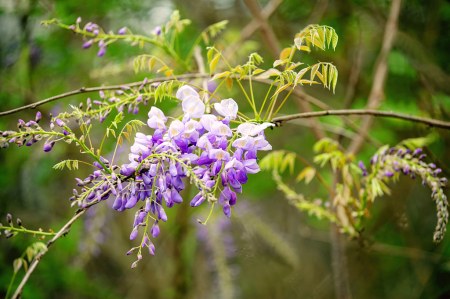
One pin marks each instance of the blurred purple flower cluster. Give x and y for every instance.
(388, 163)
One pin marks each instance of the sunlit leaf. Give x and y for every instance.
(285, 53)
(17, 264)
(220, 75)
(307, 173)
(229, 83)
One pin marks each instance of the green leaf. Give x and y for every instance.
(30, 253)
(17, 264)
(335, 39)
(210, 55)
(314, 69)
(300, 74)
(220, 75)
(285, 53)
(335, 79)
(229, 83)
(214, 62)
(329, 35)
(307, 173)
(151, 63)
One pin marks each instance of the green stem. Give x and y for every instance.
(270, 108)
(23, 230)
(267, 95)
(251, 94)
(220, 84)
(10, 285)
(282, 103)
(209, 215)
(239, 82)
(154, 42)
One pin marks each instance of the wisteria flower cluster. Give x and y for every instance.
(200, 146)
(390, 163)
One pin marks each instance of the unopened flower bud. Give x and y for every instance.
(122, 31)
(60, 122)
(88, 44)
(101, 52)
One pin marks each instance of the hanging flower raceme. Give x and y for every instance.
(390, 163)
(202, 147)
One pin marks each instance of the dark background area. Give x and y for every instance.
(267, 249)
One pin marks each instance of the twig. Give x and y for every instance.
(376, 95)
(326, 127)
(427, 121)
(92, 89)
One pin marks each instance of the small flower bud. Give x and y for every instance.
(157, 30)
(88, 44)
(38, 116)
(60, 122)
(19, 222)
(122, 31)
(101, 52)
(78, 20)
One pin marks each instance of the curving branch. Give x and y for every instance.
(92, 89)
(428, 121)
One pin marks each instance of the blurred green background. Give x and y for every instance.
(267, 249)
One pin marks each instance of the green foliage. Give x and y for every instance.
(66, 163)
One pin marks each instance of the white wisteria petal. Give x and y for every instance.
(204, 143)
(193, 106)
(227, 108)
(234, 164)
(261, 143)
(246, 143)
(251, 166)
(186, 91)
(190, 126)
(207, 120)
(156, 123)
(246, 129)
(176, 128)
(137, 147)
(261, 127)
(158, 113)
(220, 129)
(219, 154)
